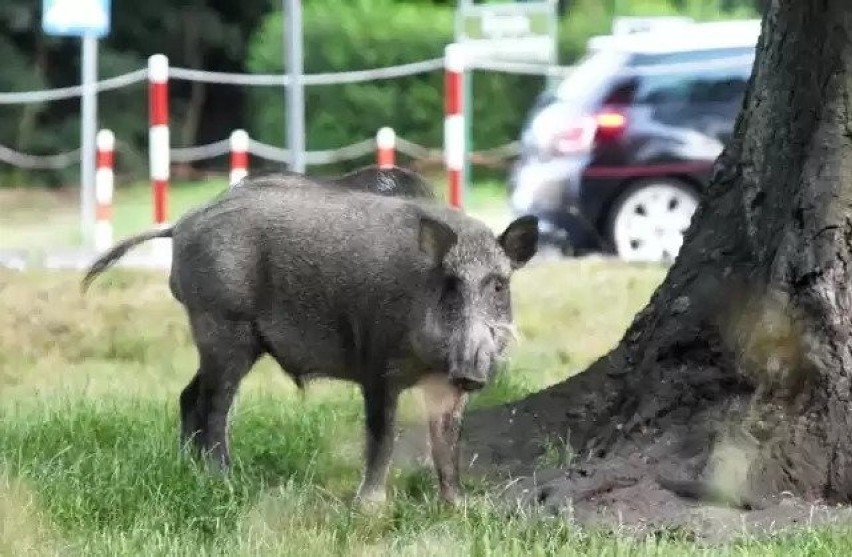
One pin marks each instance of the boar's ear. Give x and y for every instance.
(435, 239)
(520, 240)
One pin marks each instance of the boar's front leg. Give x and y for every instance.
(445, 410)
(445, 407)
(380, 401)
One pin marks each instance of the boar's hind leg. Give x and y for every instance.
(380, 402)
(445, 409)
(227, 350)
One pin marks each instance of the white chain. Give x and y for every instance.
(348, 152)
(331, 78)
(259, 149)
(117, 82)
(26, 97)
(200, 152)
(38, 162)
(414, 150)
(501, 151)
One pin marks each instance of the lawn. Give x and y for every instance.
(38, 220)
(88, 460)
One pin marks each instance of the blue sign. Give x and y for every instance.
(75, 18)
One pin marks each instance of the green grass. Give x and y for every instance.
(43, 219)
(88, 435)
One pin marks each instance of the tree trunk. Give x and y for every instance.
(31, 112)
(193, 51)
(734, 381)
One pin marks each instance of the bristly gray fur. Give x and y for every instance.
(366, 278)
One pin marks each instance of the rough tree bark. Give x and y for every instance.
(736, 376)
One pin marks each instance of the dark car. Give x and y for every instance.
(615, 159)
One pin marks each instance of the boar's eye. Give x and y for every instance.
(499, 285)
(496, 284)
(451, 286)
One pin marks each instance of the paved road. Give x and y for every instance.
(140, 259)
(79, 259)
(157, 256)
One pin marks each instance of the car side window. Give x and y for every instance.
(692, 88)
(712, 76)
(663, 89)
(719, 89)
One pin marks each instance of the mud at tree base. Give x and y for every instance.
(738, 371)
(619, 493)
(639, 507)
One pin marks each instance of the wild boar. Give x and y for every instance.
(365, 278)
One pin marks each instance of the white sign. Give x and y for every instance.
(76, 18)
(511, 31)
(497, 26)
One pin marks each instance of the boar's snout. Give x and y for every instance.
(468, 385)
(474, 359)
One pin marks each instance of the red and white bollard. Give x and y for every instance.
(158, 134)
(454, 141)
(386, 147)
(158, 148)
(239, 156)
(104, 179)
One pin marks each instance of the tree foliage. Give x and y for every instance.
(340, 114)
(222, 35)
(208, 34)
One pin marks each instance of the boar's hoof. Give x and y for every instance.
(215, 460)
(451, 497)
(370, 499)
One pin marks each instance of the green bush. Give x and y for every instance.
(339, 36)
(365, 34)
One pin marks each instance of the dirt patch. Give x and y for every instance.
(636, 504)
(573, 451)
(621, 497)
(537, 471)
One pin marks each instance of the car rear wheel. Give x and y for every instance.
(649, 220)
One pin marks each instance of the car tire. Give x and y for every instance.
(648, 220)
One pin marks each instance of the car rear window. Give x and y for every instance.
(699, 76)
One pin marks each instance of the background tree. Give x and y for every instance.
(221, 35)
(738, 370)
(204, 34)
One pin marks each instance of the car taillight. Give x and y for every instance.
(576, 137)
(580, 135)
(610, 123)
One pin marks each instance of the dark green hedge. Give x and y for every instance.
(362, 34)
(339, 35)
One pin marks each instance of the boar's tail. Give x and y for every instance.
(117, 252)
